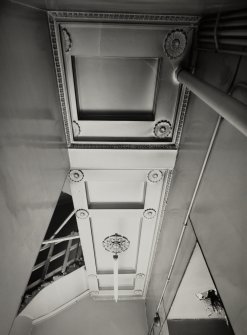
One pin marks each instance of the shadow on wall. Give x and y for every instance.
(202, 327)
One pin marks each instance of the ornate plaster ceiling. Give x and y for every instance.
(123, 116)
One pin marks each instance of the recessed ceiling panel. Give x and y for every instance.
(116, 81)
(110, 195)
(108, 222)
(138, 226)
(115, 88)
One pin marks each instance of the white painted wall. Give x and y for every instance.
(21, 326)
(196, 279)
(33, 156)
(220, 211)
(91, 317)
(219, 219)
(57, 294)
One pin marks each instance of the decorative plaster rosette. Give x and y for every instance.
(154, 176)
(149, 213)
(116, 243)
(82, 214)
(138, 292)
(162, 129)
(76, 128)
(175, 43)
(140, 275)
(67, 40)
(76, 175)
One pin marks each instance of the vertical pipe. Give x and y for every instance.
(187, 217)
(232, 110)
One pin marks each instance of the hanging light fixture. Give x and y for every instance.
(115, 274)
(116, 244)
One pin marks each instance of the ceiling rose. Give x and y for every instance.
(116, 243)
(76, 175)
(175, 43)
(155, 176)
(149, 213)
(82, 214)
(162, 129)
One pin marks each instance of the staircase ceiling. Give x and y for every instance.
(35, 162)
(116, 86)
(140, 6)
(115, 79)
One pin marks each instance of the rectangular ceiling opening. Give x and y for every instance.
(115, 89)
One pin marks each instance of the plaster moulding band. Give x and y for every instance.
(188, 20)
(160, 219)
(173, 21)
(118, 159)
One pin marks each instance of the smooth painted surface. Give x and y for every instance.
(115, 85)
(33, 157)
(21, 326)
(57, 294)
(219, 218)
(196, 280)
(97, 318)
(143, 6)
(122, 159)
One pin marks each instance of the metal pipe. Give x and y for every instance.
(115, 275)
(189, 211)
(232, 110)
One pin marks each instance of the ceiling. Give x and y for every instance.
(139, 6)
(117, 89)
(35, 162)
